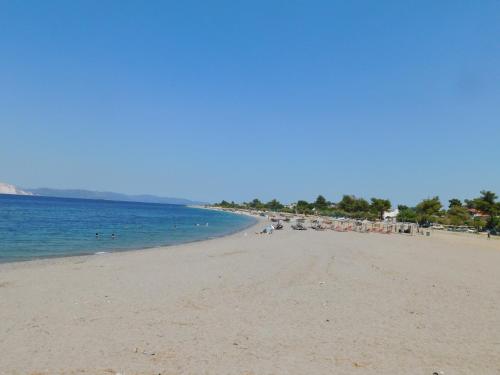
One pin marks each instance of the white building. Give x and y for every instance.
(391, 215)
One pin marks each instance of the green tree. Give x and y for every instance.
(428, 210)
(303, 207)
(379, 206)
(495, 223)
(224, 204)
(346, 203)
(321, 203)
(488, 197)
(351, 204)
(479, 223)
(361, 205)
(487, 204)
(406, 214)
(274, 205)
(458, 215)
(256, 204)
(455, 203)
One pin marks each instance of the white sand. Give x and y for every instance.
(290, 303)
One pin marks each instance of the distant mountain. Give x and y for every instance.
(89, 194)
(106, 195)
(11, 189)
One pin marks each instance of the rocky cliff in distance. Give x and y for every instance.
(11, 189)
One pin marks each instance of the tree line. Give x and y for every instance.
(482, 212)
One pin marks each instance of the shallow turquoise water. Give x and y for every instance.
(41, 227)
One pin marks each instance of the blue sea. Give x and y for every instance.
(42, 227)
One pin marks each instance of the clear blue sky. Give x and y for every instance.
(236, 100)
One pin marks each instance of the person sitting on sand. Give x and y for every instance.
(267, 230)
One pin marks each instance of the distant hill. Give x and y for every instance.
(11, 189)
(89, 194)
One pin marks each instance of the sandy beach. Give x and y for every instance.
(288, 303)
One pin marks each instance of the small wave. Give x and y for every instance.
(101, 252)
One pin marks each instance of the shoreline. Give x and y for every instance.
(56, 258)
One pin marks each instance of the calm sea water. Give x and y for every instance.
(42, 227)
